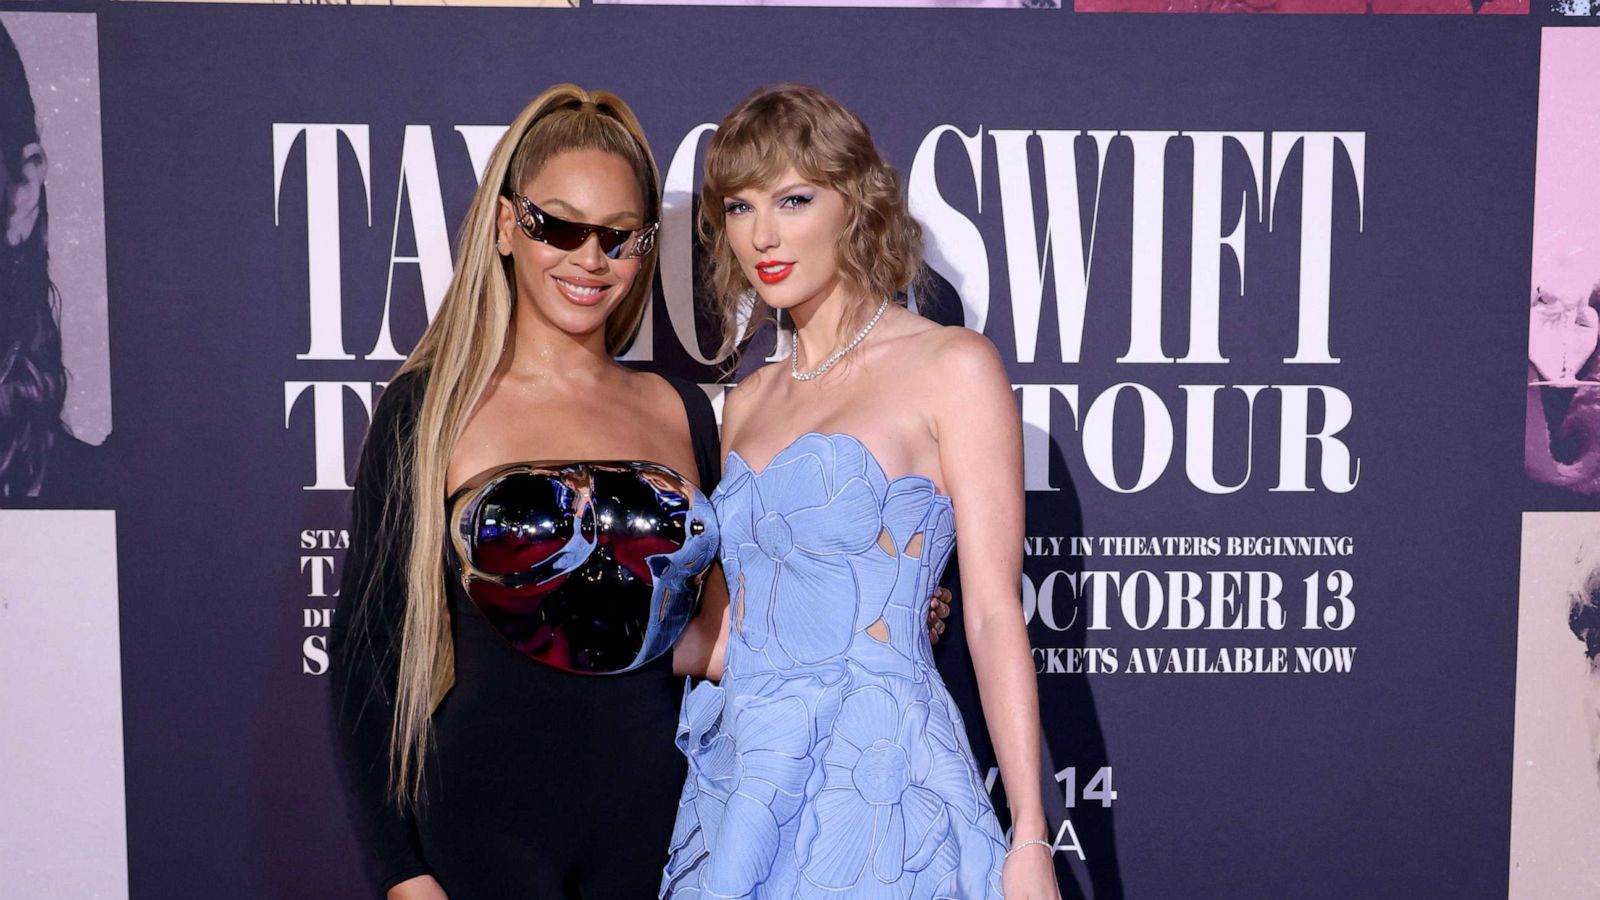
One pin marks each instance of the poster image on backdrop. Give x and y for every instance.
(63, 825)
(1555, 795)
(967, 4)
(55, 383)
(567, 4)
(1562, 441)
(1346, 7)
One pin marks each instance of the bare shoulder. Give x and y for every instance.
(959, 357)
(652, 396)
(909, 340)
(653, 385)
(755, 384)
(961, 372)
(743, 396)
(906, 323)
(973, 401)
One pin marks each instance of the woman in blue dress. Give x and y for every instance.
(830, 760)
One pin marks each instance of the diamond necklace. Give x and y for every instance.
(794, 357)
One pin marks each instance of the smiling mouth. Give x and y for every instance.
(581, 294)
(774, 272)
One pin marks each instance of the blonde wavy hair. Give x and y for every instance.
(458, 355)
(880, 248)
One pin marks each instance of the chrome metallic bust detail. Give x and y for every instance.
(589, 567)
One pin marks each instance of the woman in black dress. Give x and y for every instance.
(478, 772)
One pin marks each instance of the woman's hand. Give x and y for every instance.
(938, 611)
(1029, 874)
(422, 887)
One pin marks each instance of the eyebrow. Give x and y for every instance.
(567, 211)
(738, 196)
(791, 188)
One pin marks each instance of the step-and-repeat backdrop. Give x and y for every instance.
(1309, 620)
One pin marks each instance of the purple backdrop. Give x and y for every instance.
(1384, 165)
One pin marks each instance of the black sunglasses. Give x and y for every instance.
(615, 243)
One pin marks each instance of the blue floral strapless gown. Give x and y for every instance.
(830, 762)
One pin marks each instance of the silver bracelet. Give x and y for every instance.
(1045, 844)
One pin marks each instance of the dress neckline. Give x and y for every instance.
(478, 480)
(865, 450)
(680, 387)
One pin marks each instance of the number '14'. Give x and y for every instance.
(1098, 788)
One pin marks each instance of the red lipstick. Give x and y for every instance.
(773, 271)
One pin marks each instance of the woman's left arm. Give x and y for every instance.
(980, 454)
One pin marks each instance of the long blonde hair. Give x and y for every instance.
(880, 249)
(458, 354)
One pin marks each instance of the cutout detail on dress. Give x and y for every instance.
(738, 621)
(886, 542)
(879, 631)
(914, 546)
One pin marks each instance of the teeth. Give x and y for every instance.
(580, 290)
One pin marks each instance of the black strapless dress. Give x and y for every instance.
(542, 783)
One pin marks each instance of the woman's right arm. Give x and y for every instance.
(700, 650)
(364, 643)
